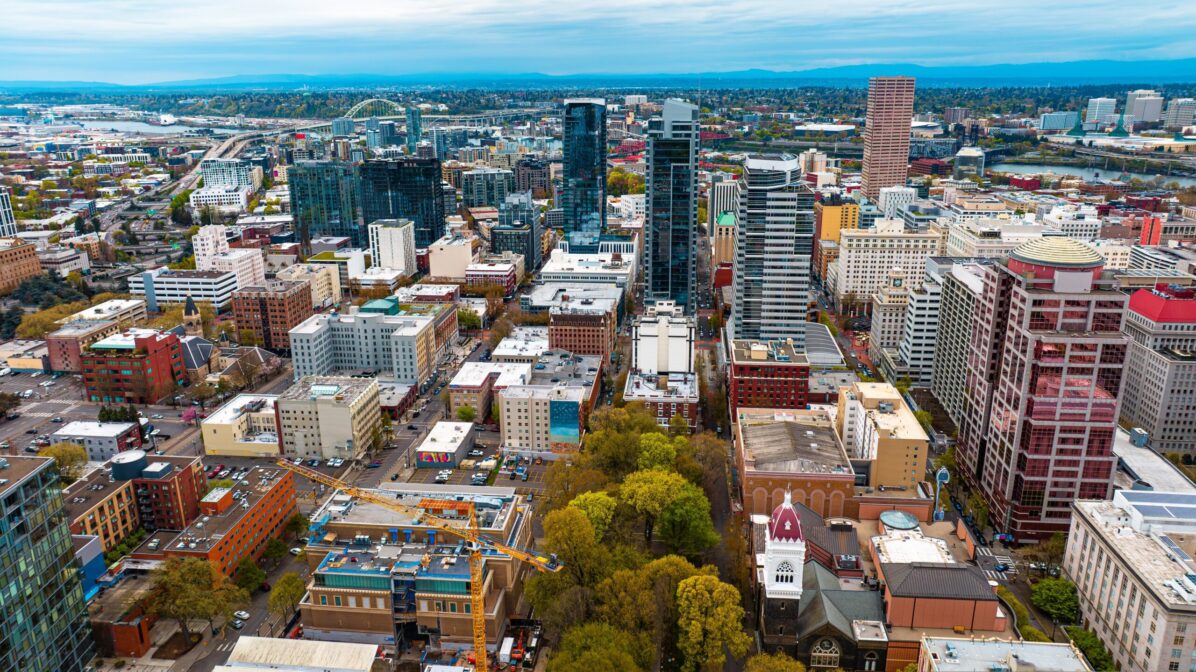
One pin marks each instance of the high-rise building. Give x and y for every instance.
(8, 221)
(415, 126)
(956, 115)
(1045, 365)
(773, 246)
(406, 188)
(1145, 105)
(392, 245)
(532, 174)
(721, 199)
(266, 313)
(893, 199)
(1181, 112)
(325, 201)
(1160, 372)
(342, 127)
(670, 228)
(958, 307)
(889, 305)
(583, 196)
(230, 173)
(886, 137)
(867, 255)
(43, 625)
(1099, 109)
(486, 187)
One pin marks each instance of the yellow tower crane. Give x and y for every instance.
(475, 540)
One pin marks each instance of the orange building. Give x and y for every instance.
(18, 263)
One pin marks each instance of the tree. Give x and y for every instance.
(468, 320)
(276, 549)
(248, 576)
(466, 414)
(296, 525)
(657, 451)
(678, 425)
(1056, 598)
(650, 492)
(501, 328)
(979, 510)
(1051, 549)
(1092, 647)
(70, 458)
(685, 525)
(563, 482)
(645, 599)
(286, 594)
(777, 662)
(569, 534)
(710, 622)
(8, 401)
(599, 509)
(187, 589)
(597, 646)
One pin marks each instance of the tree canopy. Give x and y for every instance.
(710, 622)
(1056, 598)
(599, 509)
(70, 458)
(288, 590)
(193, 589)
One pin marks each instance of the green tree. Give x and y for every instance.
(644, 600)
(286, 594)
(685, 524)
(1051, 549)
(564, 482)
(979, 509)
(1056, 598)
(69, 457)
(468, 320)
(1092, 647)
(599, 509)
(466, 414)
(192, 589)
(678, 426)
(296, 525)
(597, 646)
(777, 662)
(650, 492)
(276, 549)
(657, 451)
(248, 576)
(709, 622)
(569, 534)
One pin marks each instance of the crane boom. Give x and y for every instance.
(477, 542)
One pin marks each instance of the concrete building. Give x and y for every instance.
(48, 633)
(721, 197)
(266, 313)
(445, 445)
(1099, 109)
(662, 364)
(138, 366)
(991, 237)
(600, 268)
(1160, 367)
(670, 227)
(524, 344)
(101, 440)
(1145, 105)
(1044, 375)
(893, 200)
(300, 655)
(772, 262)
(230, 173)
(392, 245)
(451, 255)
(245, 426)
(402, 346)
(125, 312)
(1131, 561)
(484, 186)
(832, 215)
(888, 314)
(62, 261)
(723, 237)
(1081, 222)
(958, 309)
(323, 279)
(163, 286)
(882, 436)
(18, 263)
(477, 383)
(1181, 113)
(221, 198)
(545, 416)
(329, 416)
(947, 654)
(8, 221)
(866, 256)
(914, 355)
(66, 343)
(886, 136)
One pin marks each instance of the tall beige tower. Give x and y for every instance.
(886, 138)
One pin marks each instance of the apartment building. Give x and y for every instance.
(545, 416)
(958, 309)
(1160, 375)
(18, 263)
(881, 435)
(266, 313)
(138, 366)
(245, 426)
(866, 256)
(401, 346)
(585, 327)
(477, 383)
(66, 343)
(329, 416)
(323, 280)
(392, 245)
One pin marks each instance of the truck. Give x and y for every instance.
(504, 652)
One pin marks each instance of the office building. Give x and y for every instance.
(266, 313)
(956, 115)
(1057, 121)
(914, 356)
(722, 235)
(46, 630)
(546, 416)
(581, 270)
(165, 286)
(584, 328)
(18, 263)
(392, 245)
(1131, 561)
(1181, 113)
(519, 238)
(139, 366)
(101, 440)
(326, 199)
(401, 346)
(881, 434)
(888, 308)
(8, 221)
(773, 246)
(721, 197)
(990, 237)
(893, 200)
(486, 187)
(125, 312)
(329, 416)
(1160, 371)
(958, 310)
(66, 343)
(323, 280)
(671, 228)
(221, 198)
(407, 188)
(583, 188)
(866, 256)
(1144, 105)
(1044, 378)
(343, 127)
(62, 261)
(1099, 109)
(533, 174)
(832, 215)
(415, 127)
(772, 374)
(230, 173)
(969, 162)
(886, 137)
(477, 383)
(245, 426)
(212, 253)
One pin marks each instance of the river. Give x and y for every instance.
(1084, 172)
(144, 128)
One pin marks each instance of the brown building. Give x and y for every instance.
(886, 136)
(18, 263)
(265, 314)
(121, 618)
(138, 366)
(581, 331)
(67, 343)
(768, 374)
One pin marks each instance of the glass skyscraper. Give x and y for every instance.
(326, 201)
(583, 197)
(407, 188)
(670, 231)
(43, 620)
(415, 127)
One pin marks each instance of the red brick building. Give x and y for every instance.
(168, 491)
(139, 366)
(584, 332)
(929, 167)
(66, 345)
(768, 375)
(265, 314)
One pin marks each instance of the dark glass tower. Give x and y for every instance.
(415, 127)
(407, 188)
(670, 231)
(584, 190)
(326, 201)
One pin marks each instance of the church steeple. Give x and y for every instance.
(192, 320)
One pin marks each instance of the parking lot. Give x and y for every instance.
(534, 484)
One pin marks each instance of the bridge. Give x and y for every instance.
(386, 110)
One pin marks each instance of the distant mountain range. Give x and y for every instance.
(1071, 72)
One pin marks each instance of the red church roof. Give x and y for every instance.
(1165, 304)
(785, 524)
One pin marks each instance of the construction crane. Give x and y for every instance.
(476, 542)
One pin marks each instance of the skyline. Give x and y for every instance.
(138, 42)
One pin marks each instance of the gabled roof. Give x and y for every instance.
(823, 603)
(949, 581)
(196, 352)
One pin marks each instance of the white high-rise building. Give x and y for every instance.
(893, 199)
(721, 198)
(888, 313)
(867, 255)
(1181, 112)
(774, 240)
(230, 173)
(1145, 105)
(401, 346)
(212, 253)
(663, 341)
(1099, 109)
(208, 242)
(962, 286)
(392, 245)
(8, 221)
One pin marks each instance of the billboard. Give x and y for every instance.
(564, 425)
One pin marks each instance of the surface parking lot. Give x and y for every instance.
(534, 484)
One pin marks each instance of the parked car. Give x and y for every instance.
(31, 431)
(1001, 567)
(56, 420)
(373, 465)
(476, 453)
(157, 416)
(237, 624)
(241, 615)
(296, 551)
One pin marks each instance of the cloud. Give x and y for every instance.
(140, 40)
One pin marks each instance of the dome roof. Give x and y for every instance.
(1057, 251)
(785, 524)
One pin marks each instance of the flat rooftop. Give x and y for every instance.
(446, 437)
(474, 374)
(561, 367)
(967, 655)
(206, 531)
(76, 328)
(1141, 465)
(906, 546)
(126, 340)
(767, 352)
(315, 387)
(789, 441)
(523, 342)
(99, 430)
(301, 654)
(112, 603)
(495, 505)
(15, 468)
(655, 387)
(239, 405)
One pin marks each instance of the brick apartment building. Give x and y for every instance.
(138, 366)
(66, 344)
(18, 263)
(265, 314)
(767, 374)
(583, 332)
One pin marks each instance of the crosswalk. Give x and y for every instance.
(997, 560)
(226, 645)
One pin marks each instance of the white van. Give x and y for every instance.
(5, 371)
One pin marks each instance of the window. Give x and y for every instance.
(870, 661)
(785, 573)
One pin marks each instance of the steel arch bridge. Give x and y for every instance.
(375, 107)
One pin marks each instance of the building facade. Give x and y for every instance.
(886, 136)
(583, 189)
(18, 263)
(670, 228)
(329, 416)
(392, 245)
(325, 200)
(139, 366)
(1160, 373)
(266, 313)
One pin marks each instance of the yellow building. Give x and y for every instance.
(96, 505)
(875, 424)
(244, 427)
(724, 239)
(834, 215)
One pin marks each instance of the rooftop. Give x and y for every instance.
(767, 352)
(300, 655)
(660, 387)
(967, 655)
(1166, 304)
(474, 374)
(522, 342)
(336, 387)
(126, 340)
(206, 531)
(75, 328)
(937, 580)
(495, 505)
(1144, 466)
(15, 468)
(239, 405)
(88, 428)
(1057, 251)
(446, 437)
(791, 441)
(906, 546)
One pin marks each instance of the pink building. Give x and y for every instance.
(1044, 377)
(503, 274)
(886, 137)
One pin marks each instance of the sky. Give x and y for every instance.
(144, 41)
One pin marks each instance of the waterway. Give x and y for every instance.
(144, 128)
(1085, 172)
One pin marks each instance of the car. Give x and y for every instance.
(223, 474)
(157, 416)
(413, 428)
(313, 462)
(441, 478)
(1001, 567)
(241, 615)
(159, 452)
(394, 476)
(5, 445)
(524, 476)
(296, 551)
(476, 453)
(31, 431)
(237, 624)
(56, 420)
(414, 415)
(373, 465)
